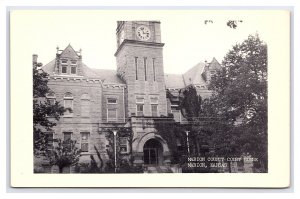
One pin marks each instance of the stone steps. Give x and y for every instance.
(158, 169)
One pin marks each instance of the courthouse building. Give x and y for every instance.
(131, 96)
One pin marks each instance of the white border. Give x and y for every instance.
(278, 108)
(292, 192)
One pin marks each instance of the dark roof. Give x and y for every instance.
(192, 76)
(49, 68)
(107, 76)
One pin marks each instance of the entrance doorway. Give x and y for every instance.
(153, 152)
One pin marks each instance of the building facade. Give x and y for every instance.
(132, 96)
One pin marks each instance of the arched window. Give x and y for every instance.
(68, 104)
(85, 105)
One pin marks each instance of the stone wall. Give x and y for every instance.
(117, 92)
(80, 121)
(141, 87)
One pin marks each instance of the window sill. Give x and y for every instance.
(87, 153)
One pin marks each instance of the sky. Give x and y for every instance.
(188, 40)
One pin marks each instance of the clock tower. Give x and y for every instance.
(139, 58)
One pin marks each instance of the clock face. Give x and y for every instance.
(143, 33)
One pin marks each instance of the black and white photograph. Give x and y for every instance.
(152, 92)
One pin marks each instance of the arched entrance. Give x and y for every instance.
(153, 152)
(144, 153)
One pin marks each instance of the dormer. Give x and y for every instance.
(68, 62)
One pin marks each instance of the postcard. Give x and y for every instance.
(150, 98)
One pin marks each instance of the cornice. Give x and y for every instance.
(142, 43)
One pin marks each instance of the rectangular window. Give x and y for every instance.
(154, 106)
(64, 61)
(136, 67)
(85, 137)
(111, 115)
(68, 104)
(145, 67)
(154, 110)
(64, 69)
(67, 136)
(140, 109)
(111, 101)
(123, 145)
(153, 65)
(73, 70)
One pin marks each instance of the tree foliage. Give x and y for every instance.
(174, 134)
(190, 103)
(94, 166)
(233, 121)
(64, 154)
(240, 97)
(45, 114)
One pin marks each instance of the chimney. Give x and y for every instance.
(34, 59)
(206, 63)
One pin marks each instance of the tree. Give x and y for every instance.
(240, 97)
(94, 166)
(190, 103)
(233, 121)
(203, 124)
(44, 112)
(64, 154)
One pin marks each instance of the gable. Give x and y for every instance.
(69, 52)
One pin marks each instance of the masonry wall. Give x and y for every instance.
(117, 92)
(80, 121)
(142, 87)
